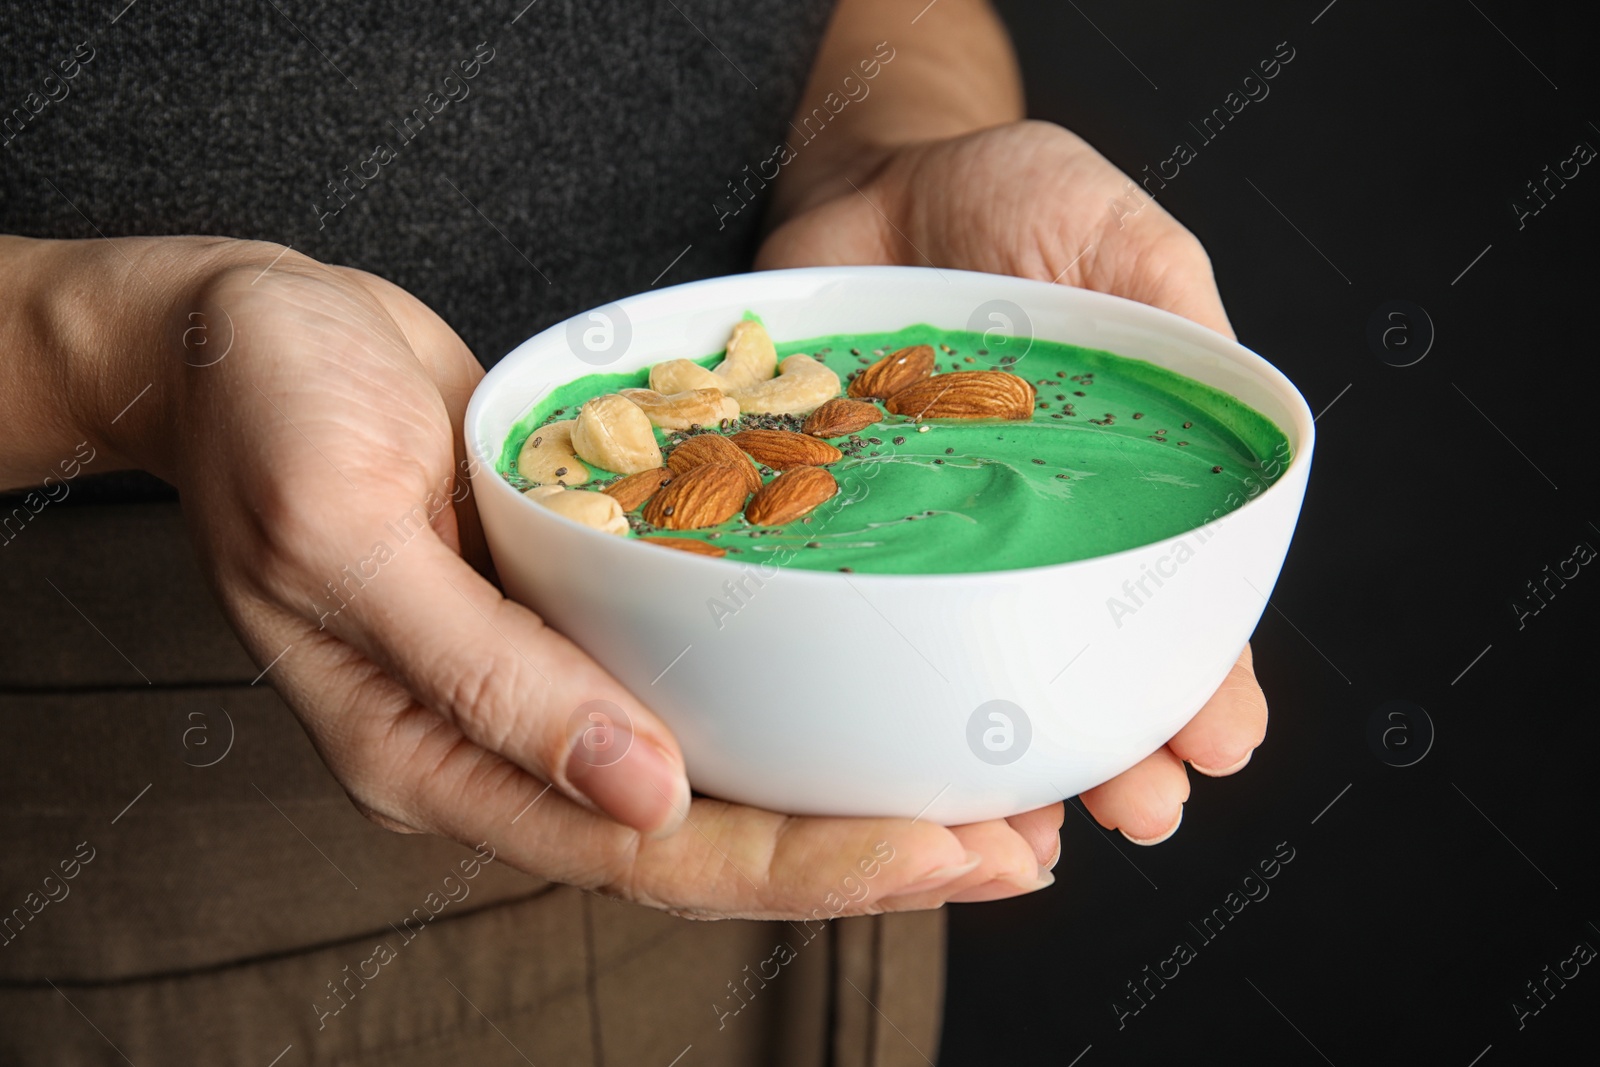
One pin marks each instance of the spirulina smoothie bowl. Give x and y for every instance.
(892, 540)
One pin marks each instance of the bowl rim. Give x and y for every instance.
(1305, 423)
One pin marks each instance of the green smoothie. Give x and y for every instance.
(1119, 453)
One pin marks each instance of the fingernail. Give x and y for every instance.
(1224, 771)
(1004, 888)
(942, 876)
(643, 788)
(1043, 879)
(1160, 838)
(1055, 857)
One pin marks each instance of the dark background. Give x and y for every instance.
(1419, 904)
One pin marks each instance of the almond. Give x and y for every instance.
(708, 494)
(688, 544)
(839, 417)
(631, 492)
(791, 496)
(781, 449)
(894, 372)
(967, 394)
(713, 448)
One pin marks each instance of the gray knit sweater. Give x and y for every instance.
(510, 163)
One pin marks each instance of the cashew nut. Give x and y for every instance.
(613, 433)
(751, 357)
(679, 375)
(597, 510)
(547, 456)
(802, 386)
(679, 411)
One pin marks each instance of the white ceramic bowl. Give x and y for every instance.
(859, 694)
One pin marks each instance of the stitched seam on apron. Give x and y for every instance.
(253, 961)
(591, 985)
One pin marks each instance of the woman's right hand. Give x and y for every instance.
(310, 418)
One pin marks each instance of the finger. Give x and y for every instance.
(1165, 266)
(1145, 802)
(1022, 871)
(510, 685)
(1223, 735)
(404, 764)
(454, 371)
(1009, 869)
(727, 861)
(1041, 829)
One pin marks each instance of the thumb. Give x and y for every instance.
(515, 687)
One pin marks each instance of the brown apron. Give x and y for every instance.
(183, 882)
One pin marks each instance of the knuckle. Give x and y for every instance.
(480, 697)
(387, 820)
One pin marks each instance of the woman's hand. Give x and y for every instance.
(314, 437)
(1033, 200)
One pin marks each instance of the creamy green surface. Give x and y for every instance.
(1089, 475)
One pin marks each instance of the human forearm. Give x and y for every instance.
(949, 73)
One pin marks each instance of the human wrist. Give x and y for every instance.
(101, 337)
(876, 91)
